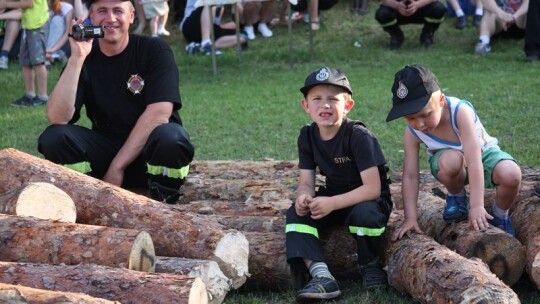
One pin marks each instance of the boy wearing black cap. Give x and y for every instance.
(460, 152)
(355, 193)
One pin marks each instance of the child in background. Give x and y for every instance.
(356, 191)
(157, 12)
(32, 55)
(60, 16)
(460, 152)
(461, 19)
(10, 26)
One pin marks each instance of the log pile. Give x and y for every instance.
(229, 232)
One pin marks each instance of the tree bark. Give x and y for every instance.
(499, 250)
(26, 239)
(22, 294)
(115, 284)
(432, 273)
(525, 222)
(233, 208)
(98, 203)
(40, 200)
(217, 284)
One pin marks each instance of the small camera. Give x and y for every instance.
(83, 31)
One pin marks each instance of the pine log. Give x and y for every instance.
(432, 273)
(115, 284)
(264, 169)
(233, 208)
(525, 217)
(40, 200)
(99, 203)
(23, 295)
(217, 284)
(502, 252)
(26, 239)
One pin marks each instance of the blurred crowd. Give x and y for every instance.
(214, 27)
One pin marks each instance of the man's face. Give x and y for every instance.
(116, 16)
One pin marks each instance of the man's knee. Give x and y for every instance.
(51, 138)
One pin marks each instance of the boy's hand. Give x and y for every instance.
(301, 206)
(320, 207)
(405, 228)
(478, 218)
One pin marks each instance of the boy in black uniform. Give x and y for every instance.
(129, 87)
(356, 191)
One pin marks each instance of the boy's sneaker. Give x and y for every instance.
(207, 49)
(482, 48)
(505, 225)
(38, 101)
(193, 48)
(250, 32)
(319, 288)
(373, 275)
(456, 209)
(4, 63)
(24, 102)
(264, 30)
(477, 19)
(163, 32)
(461, 22)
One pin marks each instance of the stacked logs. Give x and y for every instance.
(232, 217)
(113, 235)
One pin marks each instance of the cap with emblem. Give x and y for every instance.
(326, 75)
(411, 91)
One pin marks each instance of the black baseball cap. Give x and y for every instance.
(411, 91)
(326, 75)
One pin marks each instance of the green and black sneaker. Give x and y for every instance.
(319, 288)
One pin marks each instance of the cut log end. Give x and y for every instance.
(143, 255)
(46, 201)
(231, 254)
(197, 293)
(489, 294)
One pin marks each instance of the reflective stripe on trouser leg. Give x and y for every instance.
(82, 167)
(169, 172)
(301, 228)
(365, 231)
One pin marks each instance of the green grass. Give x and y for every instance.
(251, 109)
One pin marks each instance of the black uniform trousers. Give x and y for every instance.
(532, 30)
(360, 219)
(430, 15)
(168, 146)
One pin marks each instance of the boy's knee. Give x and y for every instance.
(451, 162)
(507, 173)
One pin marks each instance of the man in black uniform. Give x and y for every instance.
(356, 192)
(393, 13)
(129, 87)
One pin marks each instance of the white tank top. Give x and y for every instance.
(434, 143)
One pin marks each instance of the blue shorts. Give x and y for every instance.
(490, 158)
(33, 49)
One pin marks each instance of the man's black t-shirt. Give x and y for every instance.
(116, 90)
(341, 169)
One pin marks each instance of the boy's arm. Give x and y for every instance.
(473, 158)
(16, 3)
(370, 190)
(305, 191)
(409, 185)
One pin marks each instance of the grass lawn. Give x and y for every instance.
(251, 109)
